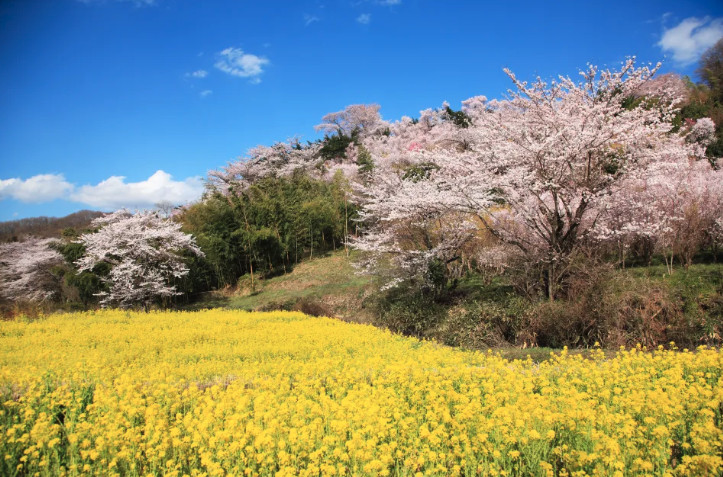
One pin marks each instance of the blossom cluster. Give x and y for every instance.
(281, 159)
(25, 269)
(144, 250)
(553, 164)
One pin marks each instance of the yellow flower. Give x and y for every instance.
(226, 392)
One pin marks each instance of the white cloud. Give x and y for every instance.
(206, 92)
(112, 193)
(37, 189)
(309, 19)
(690, 38)
(364, 18)
(389, 3)
(237, 63)
(197, 74)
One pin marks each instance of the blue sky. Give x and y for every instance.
(98, 96)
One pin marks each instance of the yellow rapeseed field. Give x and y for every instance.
(278, 394)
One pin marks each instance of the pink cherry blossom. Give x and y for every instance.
(549, 166)
(25, 269)
(144, 252)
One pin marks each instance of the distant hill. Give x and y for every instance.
(45, 226)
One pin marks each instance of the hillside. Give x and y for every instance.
(323, 286)
(45, 227)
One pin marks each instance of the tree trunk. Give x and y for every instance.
(551, 281)
(668, 266)
(346, 228)
(251, 267)
(251, 254)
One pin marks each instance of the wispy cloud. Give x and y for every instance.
(244, 65)
(364, 18)
(389, 3)
(197, 74)
(309, 19)
(205, 93)
(691, 37)
(112, 193)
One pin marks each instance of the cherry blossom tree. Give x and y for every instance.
(536, 169)
(362, 118)
(144, 250)
(716, 232)
(672, 206)
(409, 218)
(702, 134)
(668, 85)
(285, 158)
(25, 270)
(693, 209)
(281, 159)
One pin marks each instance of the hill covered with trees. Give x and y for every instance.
(46, 227)
(512, 220)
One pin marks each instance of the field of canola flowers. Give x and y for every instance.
(278, 394)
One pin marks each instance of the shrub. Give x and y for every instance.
(482, 325)
(312, 307)
(613, 309)
(408, 310)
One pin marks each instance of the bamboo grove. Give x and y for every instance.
(268, 227)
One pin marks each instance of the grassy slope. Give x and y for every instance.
(329, 281)
(699, 280)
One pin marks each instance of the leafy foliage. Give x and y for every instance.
(459, 118)
(710, 69)
(87, 284)
(269, 226)
(335, 146)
